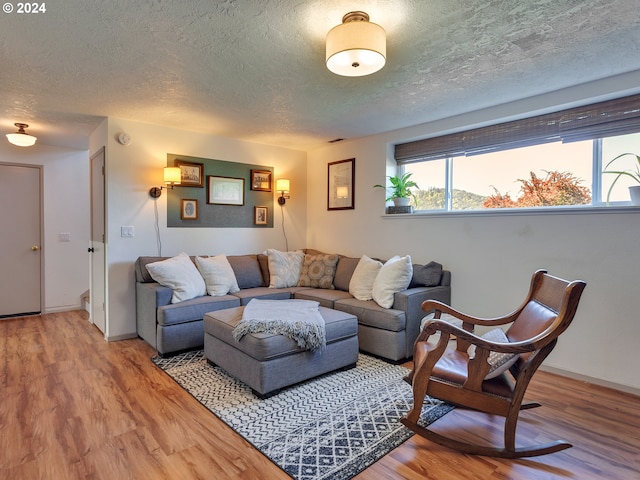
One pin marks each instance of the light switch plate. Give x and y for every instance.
(126, 231)
(64, 236)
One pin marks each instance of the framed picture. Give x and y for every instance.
(261, 180)
(225, 190)
(260, 215)
(341, 184)
(188, 209)
(191, 174)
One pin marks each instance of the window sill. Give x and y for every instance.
(500, 212)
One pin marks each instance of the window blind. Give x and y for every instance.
(604, 119)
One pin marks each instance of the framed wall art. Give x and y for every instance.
(260, 215)
(225, 190)
(188, 209)
(341, 185)
(191, 174)
(261, 180)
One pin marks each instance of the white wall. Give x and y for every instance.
(66, 210)
(132, 170)
(492, 257)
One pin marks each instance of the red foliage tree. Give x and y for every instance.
(557, 188)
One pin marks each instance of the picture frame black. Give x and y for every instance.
(341, 185)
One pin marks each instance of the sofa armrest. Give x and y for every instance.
(150, 296)
(410, 301)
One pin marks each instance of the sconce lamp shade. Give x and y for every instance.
(21, 138)
(283, 185)
(172, 175)
(357, 47)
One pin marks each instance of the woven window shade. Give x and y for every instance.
(604, 119)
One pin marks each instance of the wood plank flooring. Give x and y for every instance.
(73, 406)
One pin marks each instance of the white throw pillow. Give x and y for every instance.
(500, 362)
(394, 276)
(218, 275)
(361, 283)
(180, 275)
(284, 268)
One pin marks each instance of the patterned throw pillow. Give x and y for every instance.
(284, 268)
(500, 362)
(318, 271)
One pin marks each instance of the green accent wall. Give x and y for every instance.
(219, 216)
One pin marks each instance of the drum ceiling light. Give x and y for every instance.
(357, 47)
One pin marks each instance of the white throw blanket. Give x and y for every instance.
(299, 320)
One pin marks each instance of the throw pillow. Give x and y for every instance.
(180, 275)
(426, 275)
(500, 362)
(318, 271)
(394, 276)
(361, 283)
(218, 275)
(284, 268)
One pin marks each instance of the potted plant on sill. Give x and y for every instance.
(400, 191)
(634, 190)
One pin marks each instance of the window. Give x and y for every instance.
(553, 160)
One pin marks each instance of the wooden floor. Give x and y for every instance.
(73, 406)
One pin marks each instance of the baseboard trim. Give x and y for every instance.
(596, 381)
(126, 336)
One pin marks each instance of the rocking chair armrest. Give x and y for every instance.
(440, 308)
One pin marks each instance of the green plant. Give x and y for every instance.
(400, 187)
(631, 173)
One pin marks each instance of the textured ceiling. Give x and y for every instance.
(255, 70)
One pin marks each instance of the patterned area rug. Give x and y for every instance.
(331, 427)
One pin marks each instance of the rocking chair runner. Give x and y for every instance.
(464, 379)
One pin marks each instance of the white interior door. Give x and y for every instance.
(20, 240)
(97, 247)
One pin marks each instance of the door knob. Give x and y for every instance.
(35, 248)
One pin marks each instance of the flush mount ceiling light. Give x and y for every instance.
(357, 47)
(21, 138)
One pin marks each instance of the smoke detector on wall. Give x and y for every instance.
(124, 139)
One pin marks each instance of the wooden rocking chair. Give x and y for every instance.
(452, 376)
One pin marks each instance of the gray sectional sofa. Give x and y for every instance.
(384, 332)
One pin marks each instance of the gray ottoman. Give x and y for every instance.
(268, 362)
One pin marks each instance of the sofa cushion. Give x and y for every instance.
(428, 275)
(371, 314)
(180, 275)
(344, 272)
(284, 268)
(364, 275)
(394, 276)
(318, 271)
(218, 275)
(194, 309)
(247, 270)
(324, 297)
(265, 293)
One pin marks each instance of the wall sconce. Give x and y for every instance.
(171, 178)
(21, 138)
(282, 186)
(357, 47)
